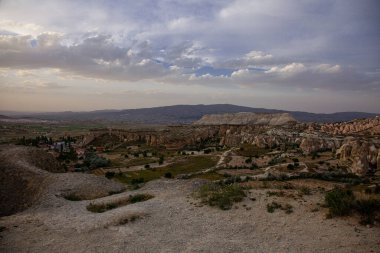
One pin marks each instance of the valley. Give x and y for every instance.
(261, 178)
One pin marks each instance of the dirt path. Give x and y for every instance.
(223, 157)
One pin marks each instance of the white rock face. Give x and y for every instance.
(246, 118)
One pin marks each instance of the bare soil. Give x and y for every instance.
(173, 221)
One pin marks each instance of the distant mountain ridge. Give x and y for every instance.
(186, 114)
(246, 118)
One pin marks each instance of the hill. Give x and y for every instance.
(246, 118)
(186, 114)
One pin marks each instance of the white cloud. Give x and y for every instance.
(290, 68)
(240, 73)
(257, 56)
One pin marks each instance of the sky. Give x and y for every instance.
(307, 55)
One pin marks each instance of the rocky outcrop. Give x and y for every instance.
(316, 144)
(246, 118)
(363, 155)
(26, 178)
(369, 126)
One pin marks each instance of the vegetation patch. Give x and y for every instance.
(212, 176)
(343, 202)
(130, 219)
(115, 192)
(276, 193)
(221, 195)
(250, 150)
(287, 208)
(304, 190)
(367, 208)
(190, 164)
(72, 197)
(339, 201)
(100, 208)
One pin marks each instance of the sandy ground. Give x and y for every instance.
(173, 221)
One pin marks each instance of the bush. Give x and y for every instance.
(254, 166)
(367, 209)
(271, 207)
(139, 180)
(93, 161)
(290, 166)
(103, 207)
(139, 198)
(304, 190)
(207, 151)
(339, 201)
(161, 160)
(168, 175)
(287, 208)
(275, 193)
(221, 195)
(72, 197)
(110, 174)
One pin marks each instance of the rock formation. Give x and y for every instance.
(268, 131)
(363, 155)
(26, 178)
(369, 126)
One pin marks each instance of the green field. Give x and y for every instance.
(186, 165)
(250, 150)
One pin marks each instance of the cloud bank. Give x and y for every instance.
(262, 45)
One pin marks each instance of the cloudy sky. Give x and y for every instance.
(309, 55)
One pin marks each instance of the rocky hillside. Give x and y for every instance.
(361, 126)
(26, 178)
(21, 181)
(266, 132)
(246, 118)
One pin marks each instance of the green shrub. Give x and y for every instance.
(271, 207)
(102, 207)
(161, 160)
(275, 193)
(139, 198)
(290, 166)
(207, 151)
(367, 209)
(304, 190)
(72, 197)
(339, 201)
(168, 175)
(221, 195)
(254, 166)
(116, 192)
(139, 180)
(110, 174)
(287, 208)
